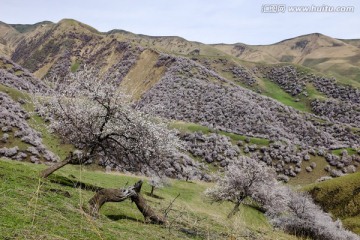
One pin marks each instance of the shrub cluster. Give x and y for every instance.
(286, 160)
(13, 124)
(213, 148)
(239, 74)
(294, 81)
(17, 77)
(330, 88)
(339, 111)
(177, 165)
(287, 78)
(192, 93)
(342, 105)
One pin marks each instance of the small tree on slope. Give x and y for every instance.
(157, 182)
(242, 179)
(289, 210)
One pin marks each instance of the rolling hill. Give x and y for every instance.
(294, 105)
(336, 57)
(217, 90)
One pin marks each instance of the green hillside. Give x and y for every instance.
(53, 209)
(340, 197)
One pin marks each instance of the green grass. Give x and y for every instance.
(272, 90)
(13, 93)
(343, 79)
(350, 151)
(305, 177)
(193, 127)
(13, 141)
(313, 92)
(340, 197)
(190, 127)
(75, 66)
(310, 62)
(42, 209)
(18, 73)
(253, 140)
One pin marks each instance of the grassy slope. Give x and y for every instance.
(301, 179)
(143, 76)
(193, 127)
(305, 177)
(35, 209)
(272, 90)
(341, 197)
(38, 209)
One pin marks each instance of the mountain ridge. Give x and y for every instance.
(336, 57)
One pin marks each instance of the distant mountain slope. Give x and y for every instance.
(40, 46)
(354, 42)
(78, 41)
(323, 53)
(7, 35)
(22, 28)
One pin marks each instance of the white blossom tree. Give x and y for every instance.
(97, 118)
(157, 182)
(242, 179)
(292, 211)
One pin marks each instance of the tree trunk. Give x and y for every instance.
(152, 191)
(108, 195)
(235, 209)
(48, 171)
(119, 195)
(149, 214)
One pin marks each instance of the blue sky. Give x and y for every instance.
(222, 21)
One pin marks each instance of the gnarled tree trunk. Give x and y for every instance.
(108, 195)
(149, 214)
(72, 158)
(48, 171)
(119, 195)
